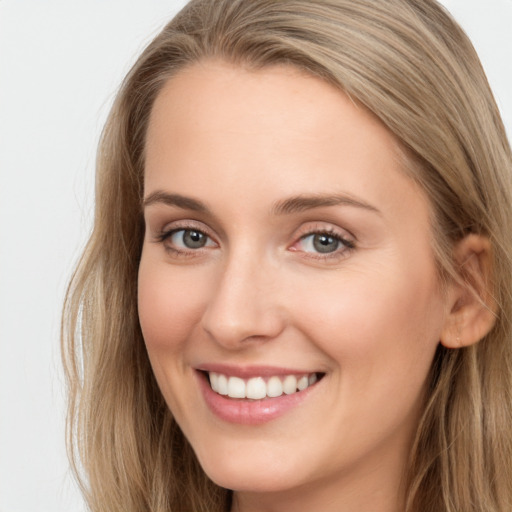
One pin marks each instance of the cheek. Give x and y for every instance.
(381, 324)
(381, 340)
(169, 306)
(169, 311)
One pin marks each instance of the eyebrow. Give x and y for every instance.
(187, 203)
(295, 204)
(302, 203)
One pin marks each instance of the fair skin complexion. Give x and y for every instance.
(237, 269)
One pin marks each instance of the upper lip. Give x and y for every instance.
(246, 372)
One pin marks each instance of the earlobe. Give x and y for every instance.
(471, 306)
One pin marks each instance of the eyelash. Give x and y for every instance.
(166, 235)
(345, 245)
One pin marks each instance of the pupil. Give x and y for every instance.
(325, 243)
(194, 239)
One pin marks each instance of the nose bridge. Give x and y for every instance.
(243, 304)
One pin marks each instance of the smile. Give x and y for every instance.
(255, 395)
(258, 388)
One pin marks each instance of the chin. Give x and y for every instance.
(251, 474)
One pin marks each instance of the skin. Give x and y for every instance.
(369, 316)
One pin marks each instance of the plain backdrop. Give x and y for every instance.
(60, 65)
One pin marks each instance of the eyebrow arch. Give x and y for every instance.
(302, 203)
(288, 206)
(187, 203)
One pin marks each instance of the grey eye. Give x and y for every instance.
(325, 243)
(189, 239)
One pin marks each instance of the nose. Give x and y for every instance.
(244, 304)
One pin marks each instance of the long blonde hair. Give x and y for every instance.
(410, 64)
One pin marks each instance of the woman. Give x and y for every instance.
(297, 291)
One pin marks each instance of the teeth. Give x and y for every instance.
(214, 381)
(257, 388)
(222, 385)
(236, 387)
(290, 384)
(274, 387)
(303, 383)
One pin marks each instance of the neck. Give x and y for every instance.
(327, 498)
(377, 489)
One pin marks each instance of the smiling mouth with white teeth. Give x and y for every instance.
(258, 388)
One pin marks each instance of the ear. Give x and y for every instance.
(471, 307)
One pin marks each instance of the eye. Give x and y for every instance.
(189, 239)
(185, 240)
(323, 243)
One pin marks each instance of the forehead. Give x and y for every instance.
(251, 130)
(222, 92)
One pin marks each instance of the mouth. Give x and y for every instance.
(260, 387)
(255, 395)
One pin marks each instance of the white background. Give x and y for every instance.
(60, 65)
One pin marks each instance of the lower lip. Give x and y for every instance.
(249, 412)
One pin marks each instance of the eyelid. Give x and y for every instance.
(310, 228)
(163, 236)
(185, 224)
(347, 240)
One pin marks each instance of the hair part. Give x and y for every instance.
(408, 63)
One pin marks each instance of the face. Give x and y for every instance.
(287, 262)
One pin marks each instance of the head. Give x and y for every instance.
(410, 67)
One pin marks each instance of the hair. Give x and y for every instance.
(409, 63)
